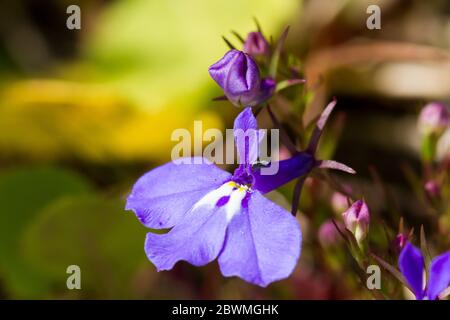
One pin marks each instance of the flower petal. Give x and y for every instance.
(163, 195)
(262, 243)
(297, 166)
(247, 137)
(411, 264)
(197, 239)
(439, 278)
(243, 78)
(220, 69)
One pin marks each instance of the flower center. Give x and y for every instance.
(242, 177)
(231, 196)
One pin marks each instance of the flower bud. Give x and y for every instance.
(400, 241)
(238, 76)
(357, 219)
(328, 235)
(432, 188)
(256, 45)
(433, 118)
(339, 202)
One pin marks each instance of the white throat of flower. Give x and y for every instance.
(236, 193)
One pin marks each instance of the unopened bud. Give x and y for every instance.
(357, 219)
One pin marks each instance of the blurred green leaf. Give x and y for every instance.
(158, 52)
(94, 233)
(23, 192)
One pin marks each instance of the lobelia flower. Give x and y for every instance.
(239, 77)
(433, 118)
(256, 45)
(214, 214)
(356, 219)
(412, 266)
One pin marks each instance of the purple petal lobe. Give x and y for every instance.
(411, 264)
(297, 166)
(247, 136)
(439, 278)
(262, 243)
(245, 120)
(162, 196)
(197, 239)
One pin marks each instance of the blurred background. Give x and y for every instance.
(84, 113)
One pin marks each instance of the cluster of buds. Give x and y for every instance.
(248, 76)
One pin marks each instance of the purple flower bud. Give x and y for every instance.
(432, 189)
(328, 234)
(238, 76)
(434, 118)
(400, 241)
(256, 45)
(357, 219)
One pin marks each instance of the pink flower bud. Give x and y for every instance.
(357, 219)
(434, 118)
(400, 241)
(339, 202)
(328, 235)
(256, 45)
(432, 189)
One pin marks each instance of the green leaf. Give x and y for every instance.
(277, 53)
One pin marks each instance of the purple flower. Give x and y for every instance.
(214, 214)
(238, 76)
(412, 266)
(357, 219)
(256, 45)
(433, 118)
